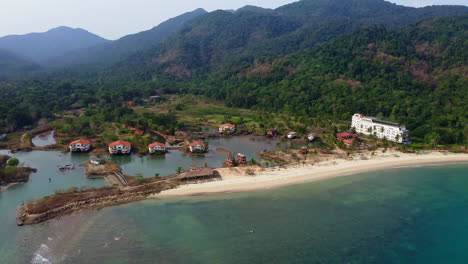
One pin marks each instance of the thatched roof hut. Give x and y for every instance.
(197, 174)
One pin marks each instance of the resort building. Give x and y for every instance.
(381, 129)
(227, 128)
(197, 147)
(123, 147)
(80, 145)
(157, 148)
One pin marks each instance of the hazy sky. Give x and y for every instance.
(113, 19)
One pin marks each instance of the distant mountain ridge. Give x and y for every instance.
(112, 52)
(228, 42)
(41, 46)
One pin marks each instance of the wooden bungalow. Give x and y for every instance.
(227, 128)
(157, 147)
(122, 147)
(139, 132)
(129, 103)
(197, 147)
(347, 138)
(80, 145)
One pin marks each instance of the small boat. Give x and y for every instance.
(311, 137)
(292, 135)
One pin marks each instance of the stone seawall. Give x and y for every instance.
(25, 218)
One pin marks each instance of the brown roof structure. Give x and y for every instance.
(197, 174)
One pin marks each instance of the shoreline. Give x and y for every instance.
(235, 180)
(9, 185)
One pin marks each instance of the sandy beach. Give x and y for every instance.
(236, 179)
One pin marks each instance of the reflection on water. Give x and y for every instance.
(43, 140)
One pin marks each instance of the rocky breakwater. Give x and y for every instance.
(75, 201)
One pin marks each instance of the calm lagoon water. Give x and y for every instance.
(404, 215)
(44, 139)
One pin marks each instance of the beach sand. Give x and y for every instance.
(236, 179)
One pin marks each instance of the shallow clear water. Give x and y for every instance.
(405, 215)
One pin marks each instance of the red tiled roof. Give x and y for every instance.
(129, 102)
(346, 134)
(156, 144)
(120, 142)
(132, 128)
(82, 141)
(228, 125)
(197, 143)
(348, 141)
(139, 132)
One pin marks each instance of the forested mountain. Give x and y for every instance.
(40, 47)
(315, 59)
(417, 75)
(222, 41)
(106, 54)
(13, 65)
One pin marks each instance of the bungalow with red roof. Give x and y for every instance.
(347, 138)
(197, 147)
(139, 132)
(120, 146)
(157, 147)
(130, 103)
(80, 145)
(227, 128)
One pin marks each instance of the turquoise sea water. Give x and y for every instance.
(404, 215)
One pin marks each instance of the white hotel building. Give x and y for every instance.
(381, 129)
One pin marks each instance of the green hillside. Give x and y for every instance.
(229, 42)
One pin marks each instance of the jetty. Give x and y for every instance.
(111, 172)
(116, 179)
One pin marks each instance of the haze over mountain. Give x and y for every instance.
(14, 65)
(40, 47)
(111, 52)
